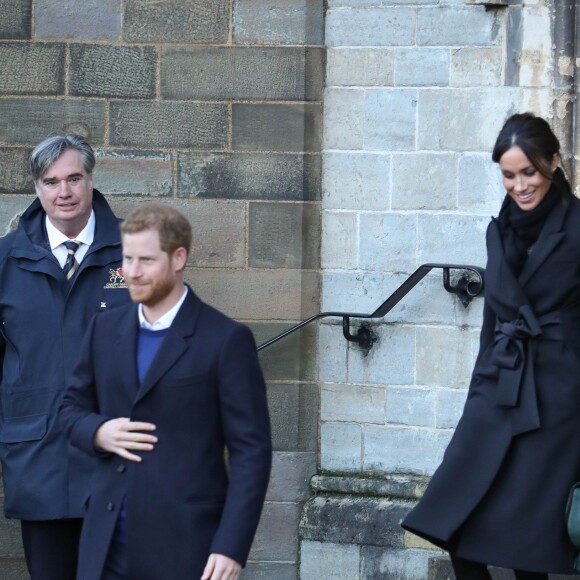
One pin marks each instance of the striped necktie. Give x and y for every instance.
(71, 265)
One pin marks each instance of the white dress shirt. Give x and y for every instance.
(56, 240)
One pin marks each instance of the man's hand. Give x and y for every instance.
(220, 567)
(120, 435)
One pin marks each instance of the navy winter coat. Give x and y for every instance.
(42, 322)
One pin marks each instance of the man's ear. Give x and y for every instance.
(179, 259)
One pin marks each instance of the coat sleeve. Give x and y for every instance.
(246, 426)
(79, 411)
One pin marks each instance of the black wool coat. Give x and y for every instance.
(499, 495)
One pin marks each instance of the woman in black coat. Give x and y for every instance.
(499, 495)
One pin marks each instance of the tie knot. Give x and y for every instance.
(72, 246)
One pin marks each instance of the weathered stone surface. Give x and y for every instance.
(340, 446)
(329, 561)
(168, 124)
(382, 27)
(276, 538)
(91, 20)
(354, 520)
(339, 240)
(344, 119)
(15, 19)
(278, 22)
(134, 173)
(476, 66)
(218, 238)
(100, 70)
(269, 570)
(294, 416)
(411, 406)
(450, 403)
(13, 569)
(14, 175)
(11, 208)
(480, 187)
(28, 121)
(292, 358)
(10, 539)
(291, 473)
(176, 21)
(416, 67)
(285, 176)
(349, 66)
(219, 73)
(389, 485)
(333, 349)
(379, 564)
(457, 25)
(258, 295)
(284, 235)
(34, 69)
(276, 127)
(356, 403)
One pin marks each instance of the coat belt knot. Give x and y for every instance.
(513, 353)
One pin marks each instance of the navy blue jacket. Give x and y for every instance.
(204, 391)
(42, 321)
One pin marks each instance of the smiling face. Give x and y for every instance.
(65, 192)
(522, 181)
(154, 277)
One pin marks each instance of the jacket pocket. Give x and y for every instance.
(21, 429)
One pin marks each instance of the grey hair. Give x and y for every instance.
(49, 150)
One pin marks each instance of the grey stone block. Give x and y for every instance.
(381, 564)
(356, 403)
(34, 69)
(480, 187)
(292, 358)
(411, 406)
(258, 294)
(421, 67)
(276, 127)
(354, 520)
(458, 25)
(390, 119)
(15, 19)
(476, 66)
(384, 26)
(168, 124)
(339, 241)
(388, 485)
(340, 447)
(329, 561)
(146, 173)
(284, 235)
(294, 416)
(282, 176)
(218, 230)
(360, 67)
(344, 119)
(291, 474)
(11, 209)
(100, 70)
(28, 121)
(252, 73)
(13, 569)
(14, 173)
(388, 243)
(269, 570)
(333, 352)
(276, 538)
(424, 181)
(176, 21)
(10, 539)
(400, 449)
(450, 403)
(91, 20)
(278, 22)
(356, 180)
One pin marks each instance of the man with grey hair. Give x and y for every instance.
(60, 267)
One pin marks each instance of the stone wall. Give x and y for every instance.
(416, 93)
(215, 107)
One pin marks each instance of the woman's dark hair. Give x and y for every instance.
(534, 136)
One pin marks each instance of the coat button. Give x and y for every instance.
(121, 468)
(111, 506)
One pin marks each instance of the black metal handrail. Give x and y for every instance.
(467, 286)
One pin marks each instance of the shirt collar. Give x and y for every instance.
(166, 320)
(56, 237)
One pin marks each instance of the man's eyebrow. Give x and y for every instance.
(52, 178)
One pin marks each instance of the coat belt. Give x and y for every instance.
(514, 349)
